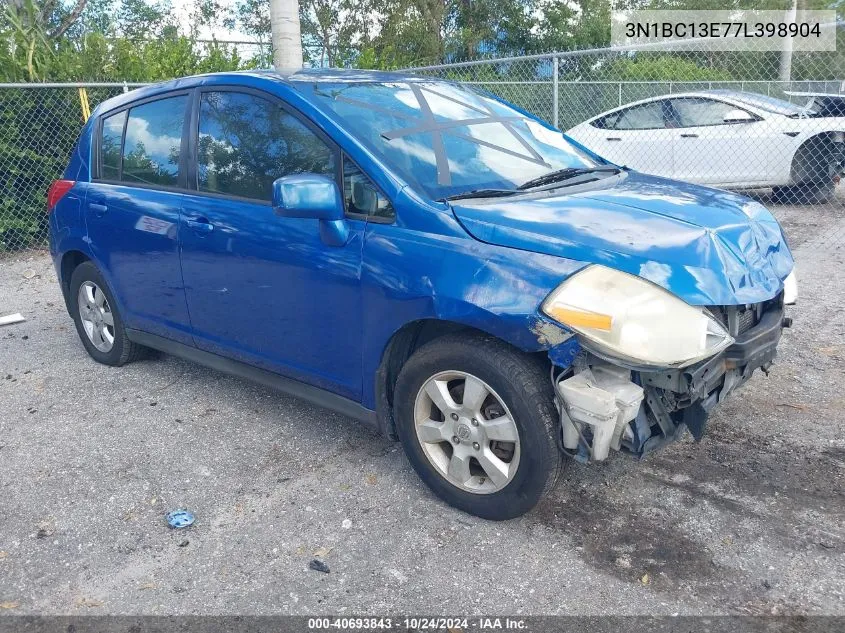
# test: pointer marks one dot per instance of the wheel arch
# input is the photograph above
(69, 262)
(805, 165)
(399, 348)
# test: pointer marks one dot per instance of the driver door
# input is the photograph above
(710, 150)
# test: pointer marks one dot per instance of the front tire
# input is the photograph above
(97, 319)
(477, 421)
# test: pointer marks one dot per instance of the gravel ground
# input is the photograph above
(748, 521)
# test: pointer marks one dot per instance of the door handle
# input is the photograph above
(98, 209)
(200, 225)
(689, 135)
(613, 138)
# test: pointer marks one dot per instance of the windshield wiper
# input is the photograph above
(564, 174)
(482, 193)
(551, 177)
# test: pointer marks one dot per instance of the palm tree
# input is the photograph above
(284, 24)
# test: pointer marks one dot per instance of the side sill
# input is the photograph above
(314, 395)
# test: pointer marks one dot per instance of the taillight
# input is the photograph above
(57, 191)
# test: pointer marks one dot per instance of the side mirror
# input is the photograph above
(738, 116)
(307, 196)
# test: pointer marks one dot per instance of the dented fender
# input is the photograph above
(491, 265)
(563, 345)
(458, 280)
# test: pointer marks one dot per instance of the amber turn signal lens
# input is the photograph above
(593, 320)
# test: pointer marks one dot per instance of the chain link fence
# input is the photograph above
(768, 124)
(39, 126)
(727, 120)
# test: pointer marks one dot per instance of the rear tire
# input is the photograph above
(508, 397)
(805, 193)
(97, 318)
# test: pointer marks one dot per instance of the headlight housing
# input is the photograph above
(790, 289)
(634, 320)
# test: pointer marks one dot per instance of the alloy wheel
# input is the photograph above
(96, 316)
(467, 432)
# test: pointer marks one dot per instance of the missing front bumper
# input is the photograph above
(597, 414)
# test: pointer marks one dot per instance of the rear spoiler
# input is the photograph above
(814, 94)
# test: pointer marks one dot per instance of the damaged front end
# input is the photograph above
(680, 298)
(606, 403)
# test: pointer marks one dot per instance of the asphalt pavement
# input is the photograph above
(748, 521)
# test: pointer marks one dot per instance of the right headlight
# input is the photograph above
(634, 320)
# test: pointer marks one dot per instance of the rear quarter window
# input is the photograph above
(112, 145)
(606, 122)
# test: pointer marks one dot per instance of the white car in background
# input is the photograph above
(723, 138)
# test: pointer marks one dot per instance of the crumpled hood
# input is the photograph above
(707, 246)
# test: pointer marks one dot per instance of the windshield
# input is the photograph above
(448, 139)
(769, 104)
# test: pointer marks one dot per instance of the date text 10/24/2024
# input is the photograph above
(452, 625)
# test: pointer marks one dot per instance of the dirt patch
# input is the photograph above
(628, 542)
(678, 520)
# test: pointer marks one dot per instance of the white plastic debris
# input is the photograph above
(9, 319)
(347, 523)
(606, 400)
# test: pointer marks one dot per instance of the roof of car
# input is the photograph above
(706, 92)
(746, 99)
(310, 75)
(340, 74)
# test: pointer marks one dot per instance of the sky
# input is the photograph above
(183, 10)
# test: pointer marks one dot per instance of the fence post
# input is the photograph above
(555, 87)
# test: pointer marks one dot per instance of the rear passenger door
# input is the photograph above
(132, 211)
(710, 150)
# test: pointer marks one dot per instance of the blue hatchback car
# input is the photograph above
(422, 256)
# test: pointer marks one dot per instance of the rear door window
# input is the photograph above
(246, 142)
(153, 141)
